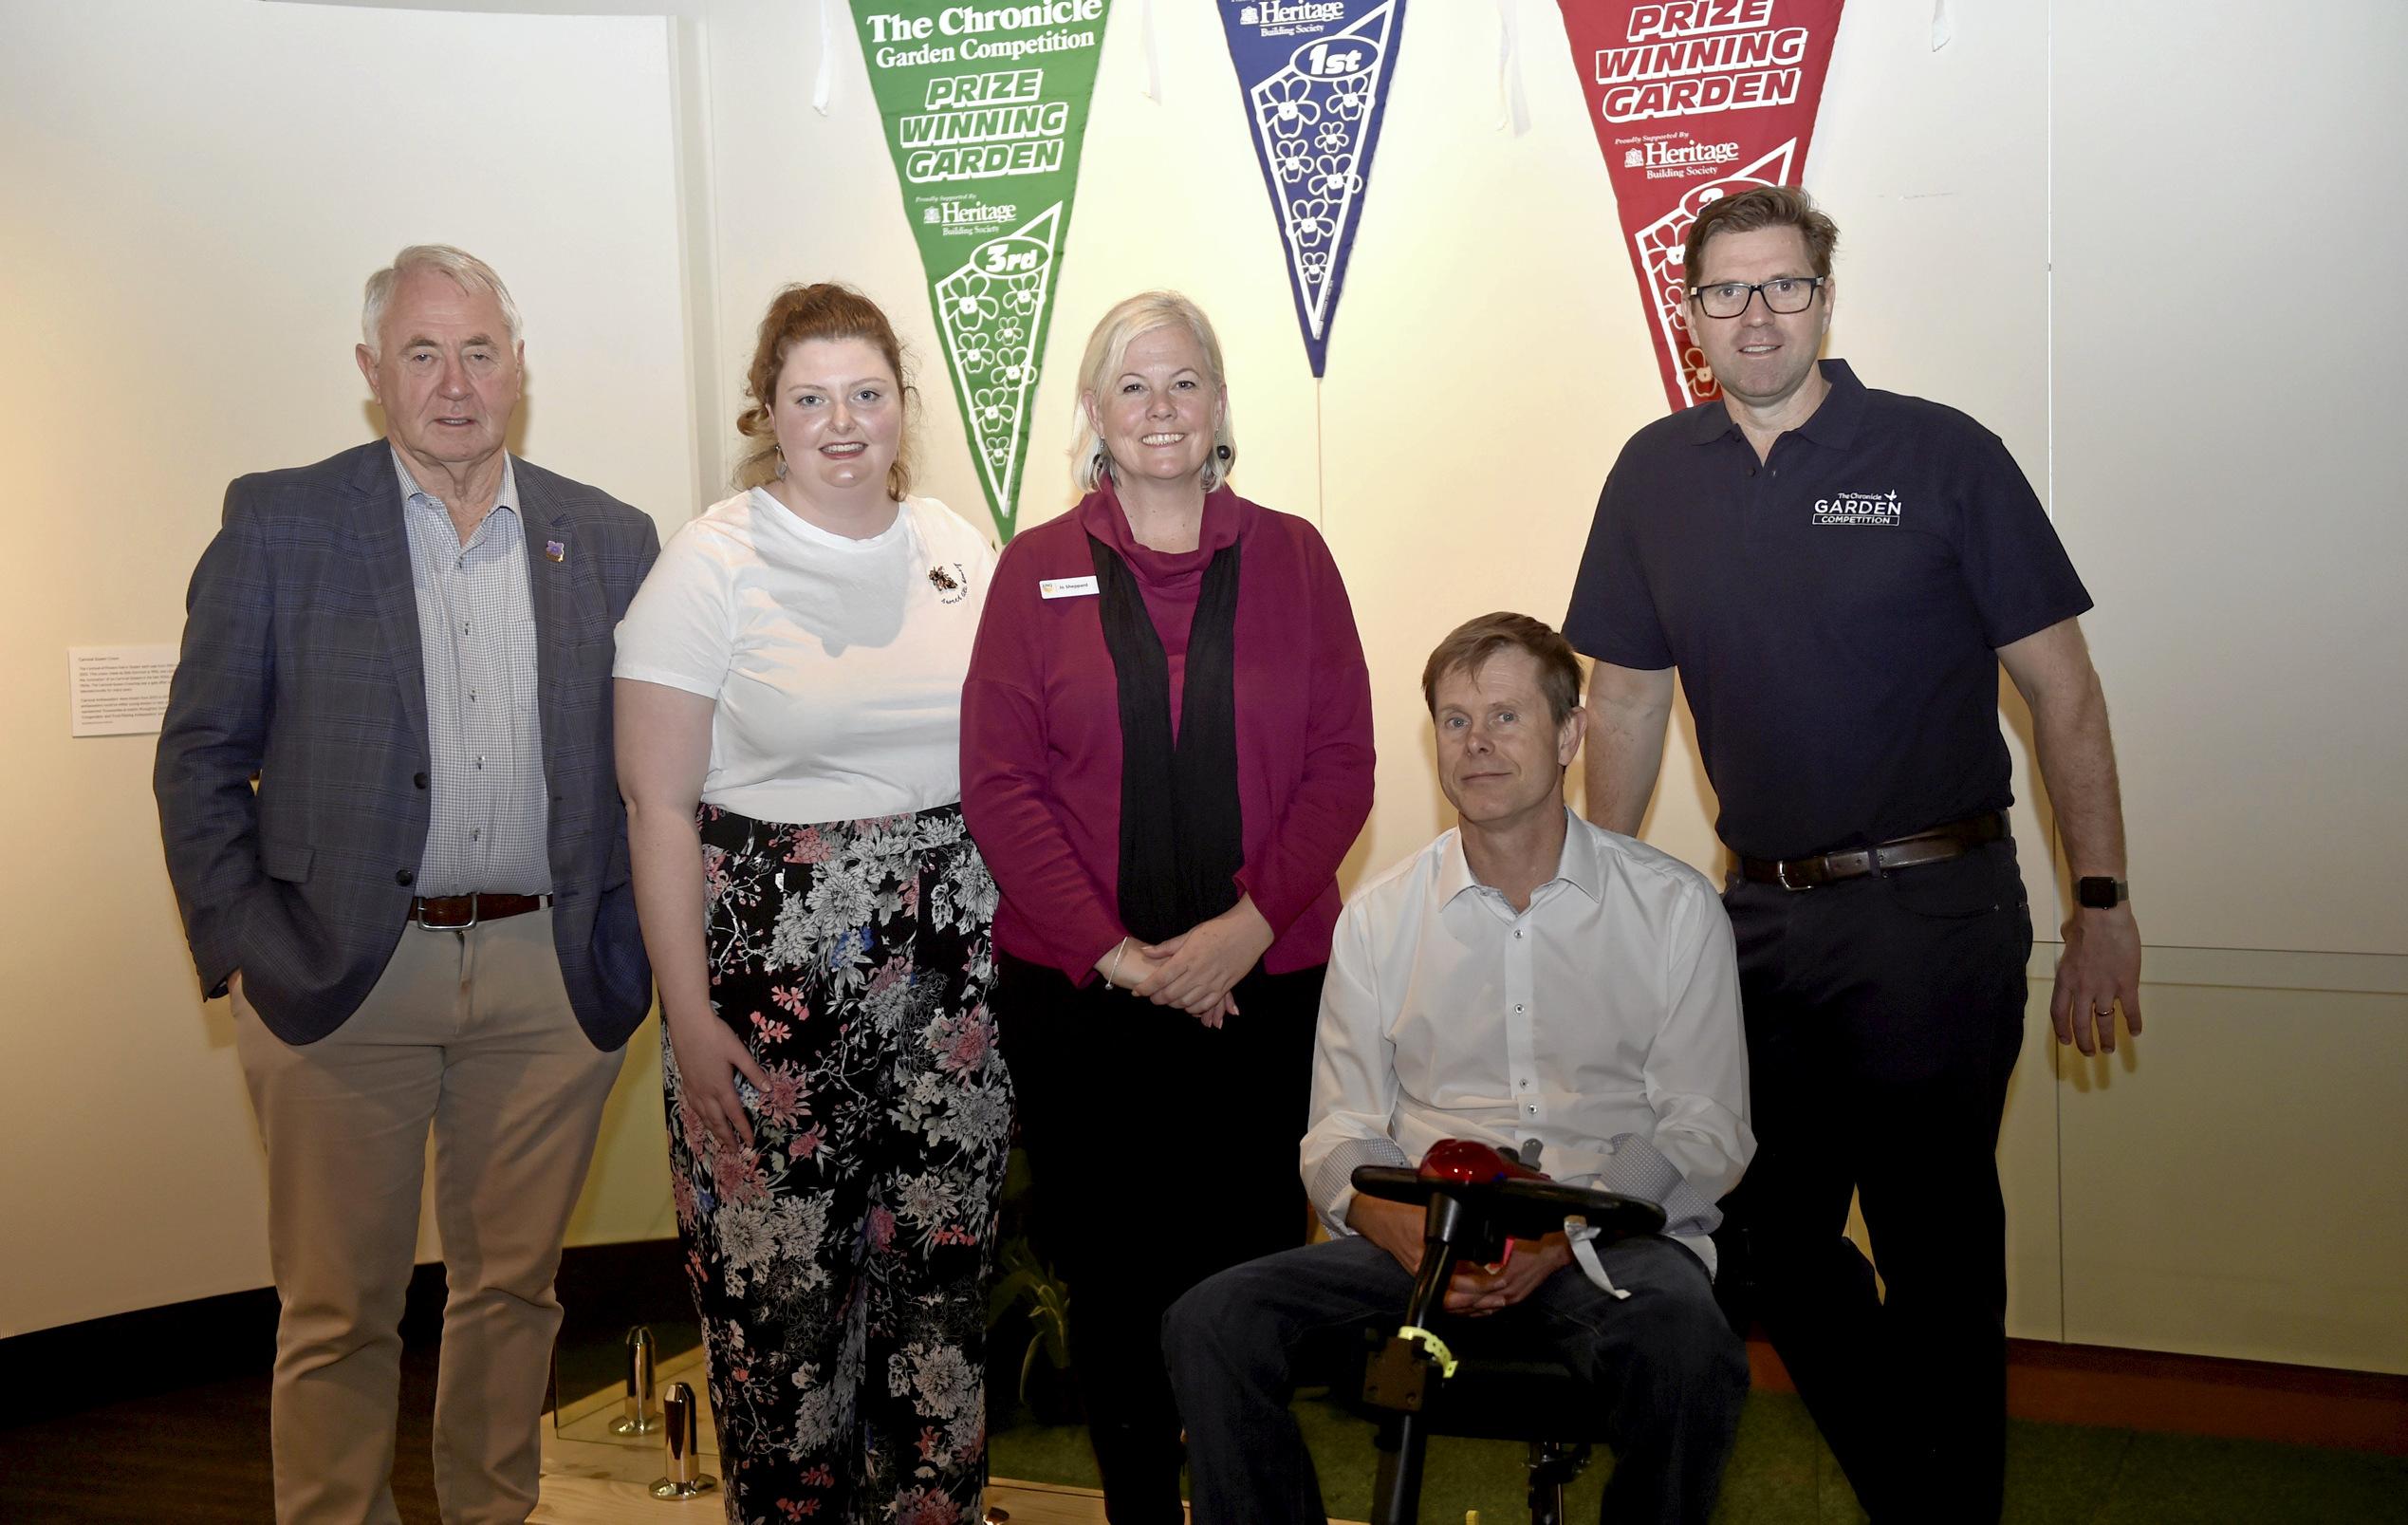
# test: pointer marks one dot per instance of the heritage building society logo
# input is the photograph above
(1288, 12)
(969, 213)
(1881, 509)
(1658, 155)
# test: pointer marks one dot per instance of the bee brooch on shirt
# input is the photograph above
(951, 583)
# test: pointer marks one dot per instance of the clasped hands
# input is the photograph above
(1473, 1290)
(1196, 971)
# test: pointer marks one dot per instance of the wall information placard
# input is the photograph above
(118, 691)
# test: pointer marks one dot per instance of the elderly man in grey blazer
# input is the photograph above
(395, 837)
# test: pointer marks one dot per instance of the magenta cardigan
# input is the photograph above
(1041, 728)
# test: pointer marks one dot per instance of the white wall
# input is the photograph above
(2227, 405)
(2232, 1185)
(2225, 400)
(196, 190)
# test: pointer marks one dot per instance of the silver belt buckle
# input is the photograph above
(473, 916)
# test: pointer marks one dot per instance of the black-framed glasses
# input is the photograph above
(1783, 294)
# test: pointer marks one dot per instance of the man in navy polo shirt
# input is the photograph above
(1836, 573)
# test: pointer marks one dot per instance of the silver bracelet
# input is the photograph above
(1112, 976)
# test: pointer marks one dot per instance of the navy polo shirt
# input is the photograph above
(1834, 611)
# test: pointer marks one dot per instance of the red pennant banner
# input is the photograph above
(1694, 100)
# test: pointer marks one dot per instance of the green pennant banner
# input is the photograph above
(985, 106)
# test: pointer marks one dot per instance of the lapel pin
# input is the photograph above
(555, 551)
(945, 582)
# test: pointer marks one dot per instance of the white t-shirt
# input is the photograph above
(836, 665)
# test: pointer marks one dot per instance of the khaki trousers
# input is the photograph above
(469, 1035)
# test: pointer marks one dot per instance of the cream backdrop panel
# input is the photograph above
(2224, 392)
(198, 188)
(2227, 389)
(1488, 357)
(2217, 1199)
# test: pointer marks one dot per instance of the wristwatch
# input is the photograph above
(2097, 892)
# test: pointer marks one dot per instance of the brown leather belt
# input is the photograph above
(457, 913)
(1939, 845)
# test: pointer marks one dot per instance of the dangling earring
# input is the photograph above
(1102, 465)
(781, 450)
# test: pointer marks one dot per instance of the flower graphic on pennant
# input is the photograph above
(1333, 177)
(1314, 264)
(1312, 222)
(1022, 298)
(994, 407)
(968, 302)
(974, 355)
(1350, 99)
(1293, 161)
(1011, 333)
(1290, 106)
(1333, 139)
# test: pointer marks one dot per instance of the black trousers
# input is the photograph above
(1161, 1151)
(1884, 1019)
(1666, 1374)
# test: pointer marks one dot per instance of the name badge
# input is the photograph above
(1066, 587)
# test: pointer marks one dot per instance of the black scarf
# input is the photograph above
(1181, 834)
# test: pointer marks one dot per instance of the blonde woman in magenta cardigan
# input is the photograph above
(1166, 751)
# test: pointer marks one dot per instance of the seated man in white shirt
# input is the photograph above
(1526, 977)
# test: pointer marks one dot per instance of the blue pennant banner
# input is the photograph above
(1315, 77)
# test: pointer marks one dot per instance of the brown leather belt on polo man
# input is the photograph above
(457, 913)
(1939, 845)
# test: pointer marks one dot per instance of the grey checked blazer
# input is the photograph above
(301, 663)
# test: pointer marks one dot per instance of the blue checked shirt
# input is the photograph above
(476, 630)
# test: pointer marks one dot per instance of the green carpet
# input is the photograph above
(1782, 1474)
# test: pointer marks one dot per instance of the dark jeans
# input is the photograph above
(1160, 1150)
(1883, 1019)
(1668, 1373)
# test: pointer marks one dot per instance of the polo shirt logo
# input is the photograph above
(1859, 508)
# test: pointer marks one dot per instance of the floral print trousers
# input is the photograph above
(838, 1264)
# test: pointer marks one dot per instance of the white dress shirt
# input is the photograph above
(1604, 1022)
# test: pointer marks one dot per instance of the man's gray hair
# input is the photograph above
(460, 268)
